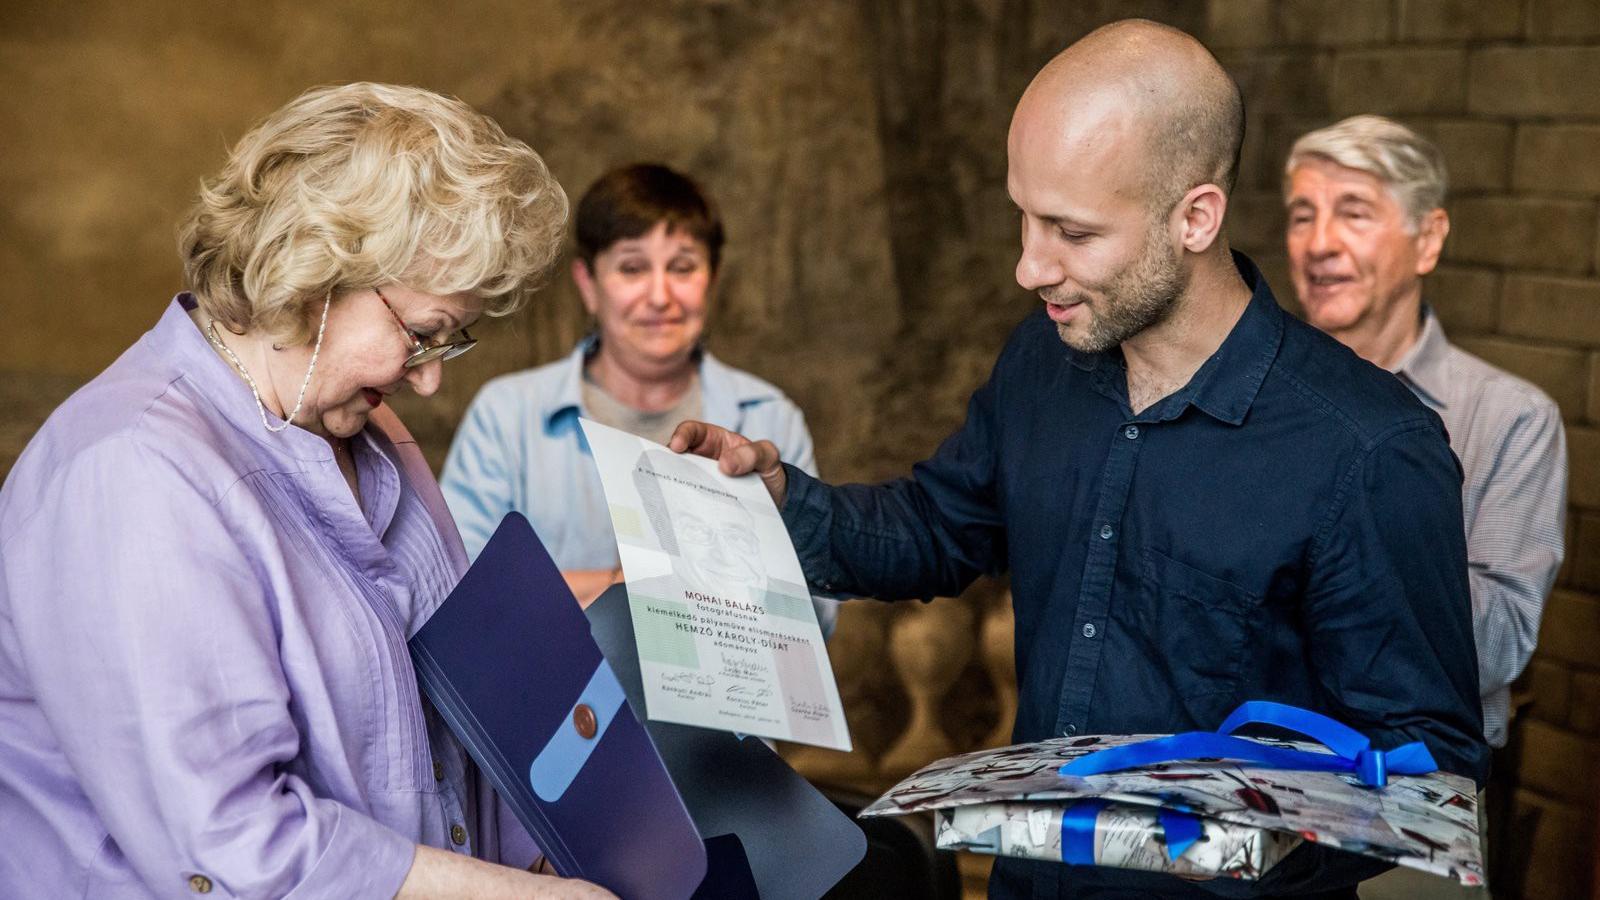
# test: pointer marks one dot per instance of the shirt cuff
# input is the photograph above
(362, 859)
(808, 515)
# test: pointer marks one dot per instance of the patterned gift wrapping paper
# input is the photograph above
(1425, 822)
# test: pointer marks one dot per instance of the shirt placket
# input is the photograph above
(377, 578)
(1099, 577)
(449, 769)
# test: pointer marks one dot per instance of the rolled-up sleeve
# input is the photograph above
(151, 641)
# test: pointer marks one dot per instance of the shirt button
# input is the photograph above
(438, 771)
(1088, 629)
(1105, 532)
(1131, 432)
(458, 835)
(199, 884)
(1070, 730)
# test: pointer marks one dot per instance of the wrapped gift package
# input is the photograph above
(1203, 803)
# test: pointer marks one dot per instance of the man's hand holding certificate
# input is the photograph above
(727, 635)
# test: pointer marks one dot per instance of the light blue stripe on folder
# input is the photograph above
(554, 769)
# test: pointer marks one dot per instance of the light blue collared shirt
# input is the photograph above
(520, 449)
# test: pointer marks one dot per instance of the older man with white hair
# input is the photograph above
(1365, 200)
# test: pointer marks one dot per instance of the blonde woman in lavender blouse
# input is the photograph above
(212, 555)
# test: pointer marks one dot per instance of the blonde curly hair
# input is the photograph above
(352, 186)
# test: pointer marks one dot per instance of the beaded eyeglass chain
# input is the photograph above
(261, 407)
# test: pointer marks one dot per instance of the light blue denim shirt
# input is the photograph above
(520, 448)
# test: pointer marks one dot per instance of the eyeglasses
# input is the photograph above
(426, 351)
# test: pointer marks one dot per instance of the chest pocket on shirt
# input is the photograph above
(1199, 623)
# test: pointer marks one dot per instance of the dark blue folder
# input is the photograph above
(508, 661)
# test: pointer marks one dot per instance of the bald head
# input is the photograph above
(1154, 92)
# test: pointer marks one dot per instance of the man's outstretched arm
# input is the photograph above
(918, 537)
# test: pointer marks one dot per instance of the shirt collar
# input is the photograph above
(723, 392)
(1424, 365)
(1225, 385)
(1240, 365)
(566, 394)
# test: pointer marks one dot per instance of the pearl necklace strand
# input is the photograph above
(211, 333)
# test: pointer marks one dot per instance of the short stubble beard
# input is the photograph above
(1138, 297)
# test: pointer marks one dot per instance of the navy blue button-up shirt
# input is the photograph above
(1286, 527)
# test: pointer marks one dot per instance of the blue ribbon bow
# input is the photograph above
(1352, 752)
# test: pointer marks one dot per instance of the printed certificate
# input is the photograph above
(727, 635)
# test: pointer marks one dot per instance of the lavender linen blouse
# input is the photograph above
(204, 682)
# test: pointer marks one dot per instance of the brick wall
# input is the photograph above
(1508, 90)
